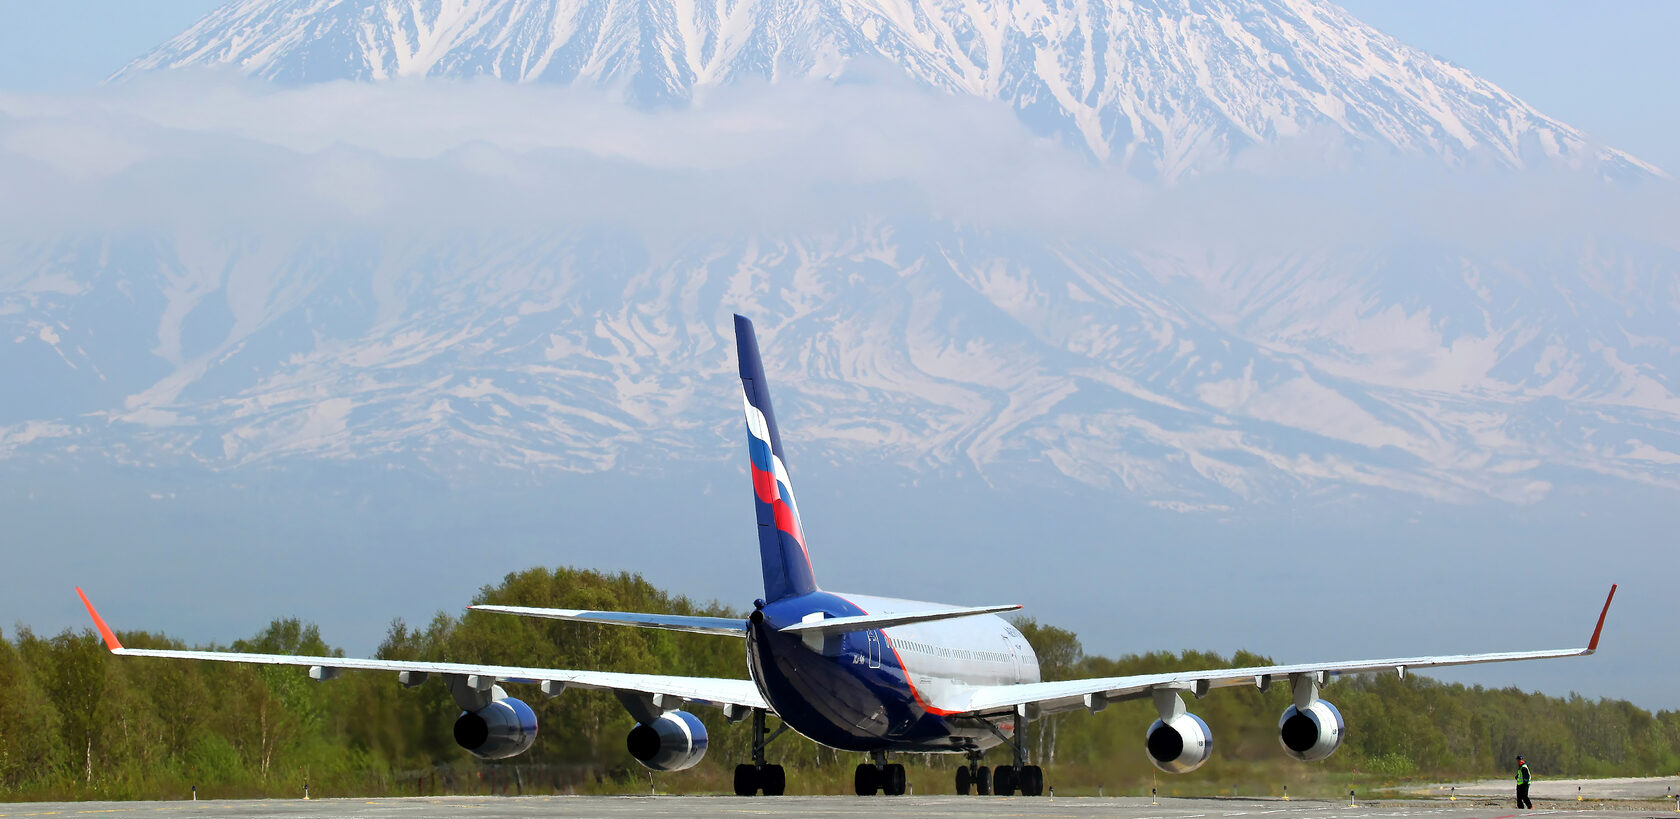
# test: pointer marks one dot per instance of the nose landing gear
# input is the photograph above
(974, 776)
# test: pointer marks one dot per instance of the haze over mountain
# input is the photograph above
(1212, 260)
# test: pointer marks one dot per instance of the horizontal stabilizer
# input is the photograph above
(668, 622)
(864, 622)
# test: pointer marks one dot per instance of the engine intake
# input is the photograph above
(504, 728)
(1312, 734)
(674, 742)
(1181, 745)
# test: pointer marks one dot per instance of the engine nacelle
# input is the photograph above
(504, 728)
(1312, 734)
(1181, 745)
(674, 742)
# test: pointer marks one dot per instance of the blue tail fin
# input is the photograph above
(781, 538)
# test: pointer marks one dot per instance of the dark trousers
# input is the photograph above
(1522, 797)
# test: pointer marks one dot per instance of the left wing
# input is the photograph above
(702, 690)
(1055, 697)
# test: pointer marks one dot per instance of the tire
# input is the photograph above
(1003, 781)
(964, 781)
(866, 781)
(773, 779)
(892, 783)
(983, 781)
(746, 780)
(1032, 781)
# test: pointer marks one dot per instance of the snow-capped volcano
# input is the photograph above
(1162, 88)
(236, 274)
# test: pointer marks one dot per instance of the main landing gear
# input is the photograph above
(1027, 779)
(1007, 780)
(876, 775)
(771, 779)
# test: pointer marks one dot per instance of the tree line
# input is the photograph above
(77, 723)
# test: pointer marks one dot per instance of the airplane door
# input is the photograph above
(874, 649)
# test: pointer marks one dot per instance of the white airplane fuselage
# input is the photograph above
(887, 689)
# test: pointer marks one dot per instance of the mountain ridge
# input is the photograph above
(1162, 88)
(493, 301)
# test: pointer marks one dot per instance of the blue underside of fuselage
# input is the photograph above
(841, 698)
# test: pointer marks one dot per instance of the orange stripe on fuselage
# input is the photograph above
(914, 694)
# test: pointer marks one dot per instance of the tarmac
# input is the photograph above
(829, 807)
(1644, 788)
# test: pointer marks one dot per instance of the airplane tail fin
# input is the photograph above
(781, 538)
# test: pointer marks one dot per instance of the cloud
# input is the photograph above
(476, 154)
(208, 149)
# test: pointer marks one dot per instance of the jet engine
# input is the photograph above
(1311, 734)
(674, 742)
(1180, 745)
(504, 728)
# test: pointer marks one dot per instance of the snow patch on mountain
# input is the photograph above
(1161, 88)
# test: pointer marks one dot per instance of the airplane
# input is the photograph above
(856, 673)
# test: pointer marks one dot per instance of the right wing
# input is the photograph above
(668, 622)
(713, 691)
(1096, 693)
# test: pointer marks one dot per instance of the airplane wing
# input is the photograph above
(712, 691)
(668, 622)
(1096, 693)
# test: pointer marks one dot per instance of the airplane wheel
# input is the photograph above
(774, 780)
(1032, 781)
(983, 781)
(963, 781)
(893, 780)
(1003, 781)
(867, 780)
(746, 780)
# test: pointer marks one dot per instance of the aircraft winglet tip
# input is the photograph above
(105, 632)
(1599, 629)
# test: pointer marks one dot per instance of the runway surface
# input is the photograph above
(823, 807)
(1662, 787)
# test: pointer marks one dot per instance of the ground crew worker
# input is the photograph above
(1523, 778)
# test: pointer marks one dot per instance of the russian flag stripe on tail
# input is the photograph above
(781, 538)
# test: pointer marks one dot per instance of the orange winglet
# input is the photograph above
(1593, 646)
(112, 643)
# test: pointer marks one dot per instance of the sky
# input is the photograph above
(1608, 68)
